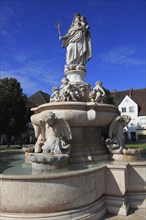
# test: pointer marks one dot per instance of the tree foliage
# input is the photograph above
(109, 98)
(13, 114)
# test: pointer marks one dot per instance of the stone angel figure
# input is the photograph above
(57, 134)
(39, 122)
(52, 133)
(116, 140)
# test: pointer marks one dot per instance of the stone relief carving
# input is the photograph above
(84, 92)
(52, 133)
(116, 140)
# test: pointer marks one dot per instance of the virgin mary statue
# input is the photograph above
(77, 42)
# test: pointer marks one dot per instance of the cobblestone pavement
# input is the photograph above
(132, 215)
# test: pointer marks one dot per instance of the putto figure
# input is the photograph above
(55, 97)
(77, 42)
(98, 93)
(67, 91)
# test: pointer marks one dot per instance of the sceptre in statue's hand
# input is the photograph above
(59, 32)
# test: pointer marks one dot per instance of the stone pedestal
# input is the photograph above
(87, 145)
(75, 75)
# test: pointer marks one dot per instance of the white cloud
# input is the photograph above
(33, 75)
(26, 84)
(122, 55)
(31, 68)
(6, 14)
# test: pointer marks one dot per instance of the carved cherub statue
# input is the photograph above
(55, 97)
(52, 133)
(67, 91)
(85, 25)
(116, 140)
(98, 93)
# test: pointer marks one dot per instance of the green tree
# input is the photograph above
(109, 98)
(13, 114)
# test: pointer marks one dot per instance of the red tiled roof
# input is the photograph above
(137, 95)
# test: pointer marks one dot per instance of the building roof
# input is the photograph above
(30, 104)
(38, 98)
(137, 95)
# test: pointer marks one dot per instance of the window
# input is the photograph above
(143, 121)
(123, 109)
(131, 109)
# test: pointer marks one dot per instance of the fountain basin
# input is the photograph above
(86, 119)
(88, 191)
(84, 114)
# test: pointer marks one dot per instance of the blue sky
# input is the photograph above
(32, 53)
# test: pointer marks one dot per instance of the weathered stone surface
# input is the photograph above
(85, 121)
(42, 161)
(85, 193)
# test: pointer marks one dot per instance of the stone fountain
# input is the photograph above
(68, 132)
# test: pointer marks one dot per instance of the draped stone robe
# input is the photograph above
(78, 46)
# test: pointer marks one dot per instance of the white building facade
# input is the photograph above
(136, 129)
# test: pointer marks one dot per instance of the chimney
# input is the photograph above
(130, 92)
